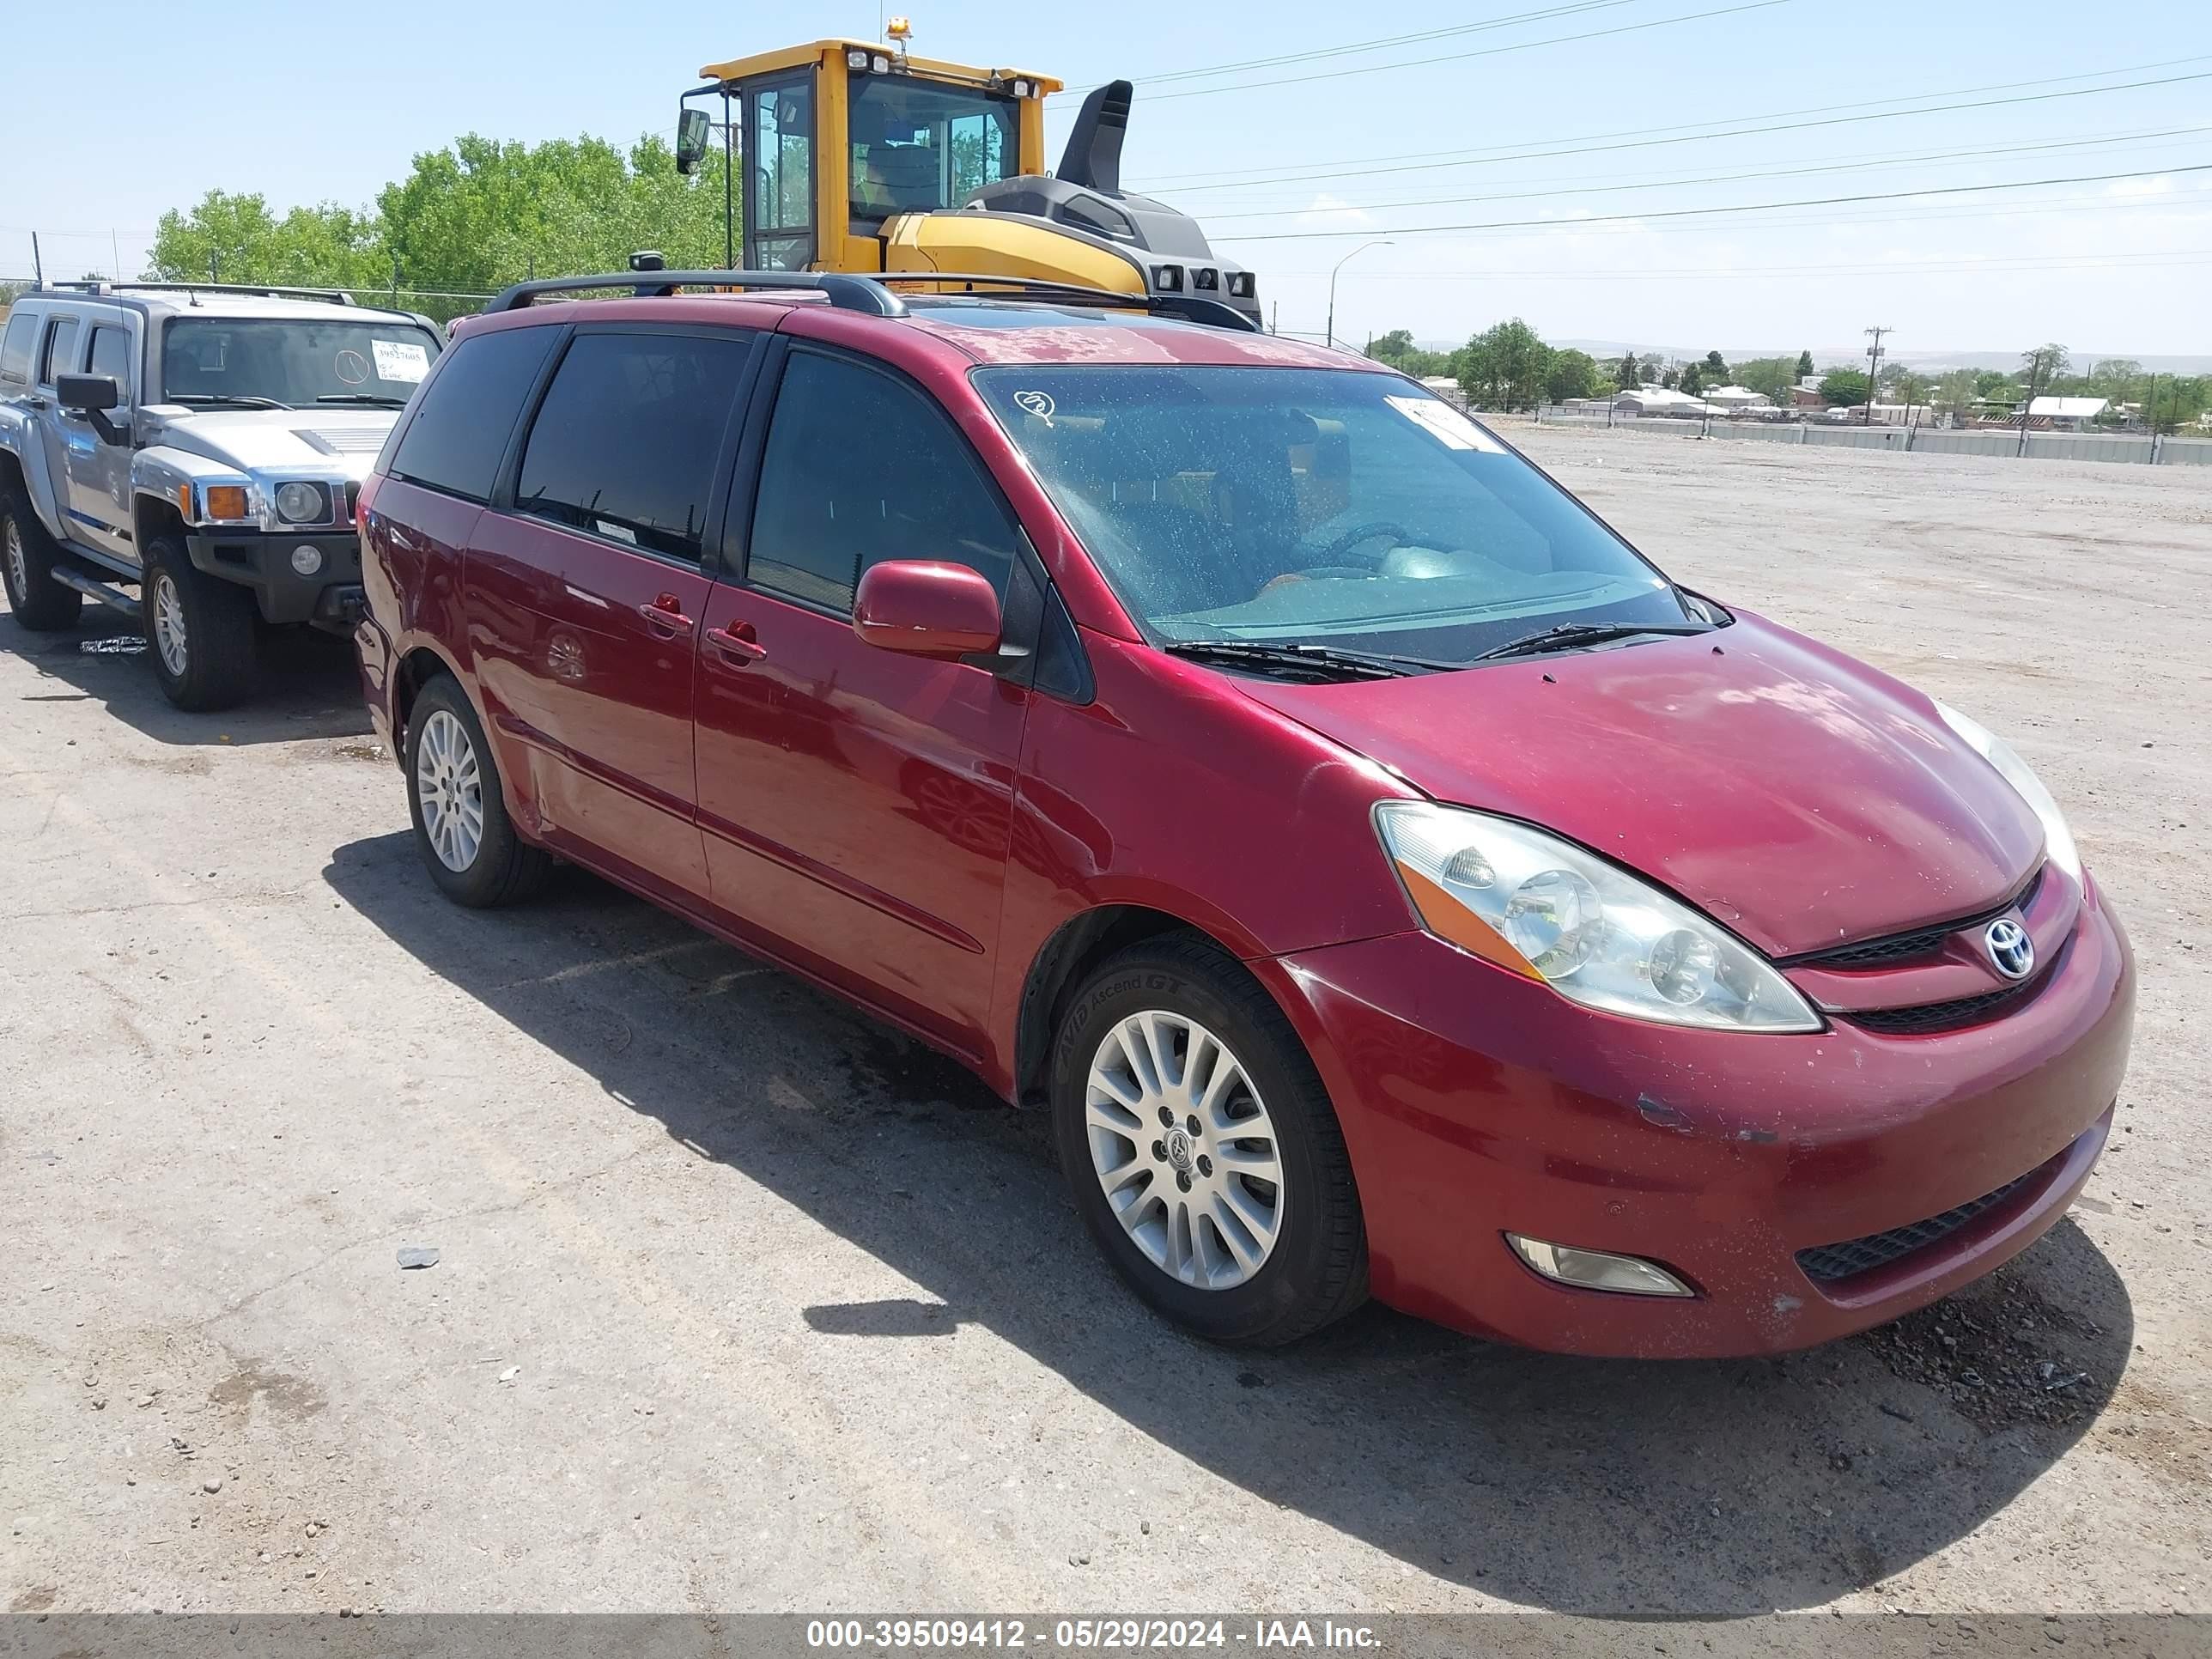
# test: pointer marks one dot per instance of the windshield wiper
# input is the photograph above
(379, 398)
(238, 399)
(1324, 660)
(1572, 634)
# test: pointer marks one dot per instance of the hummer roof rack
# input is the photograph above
(873, 295)
(99, 285)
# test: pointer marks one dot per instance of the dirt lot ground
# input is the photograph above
(745, 1302)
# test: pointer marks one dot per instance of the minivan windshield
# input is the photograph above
(1339, 507)
(281, 362)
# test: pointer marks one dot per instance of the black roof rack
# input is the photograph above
(873, 295)
(107, 285)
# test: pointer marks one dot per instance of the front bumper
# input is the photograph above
(1475, 1102)
(330, 597)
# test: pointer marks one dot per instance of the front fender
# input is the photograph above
(174, 474)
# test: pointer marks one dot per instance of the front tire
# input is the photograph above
(199, 631)
(1202, 1149)
(467, 841)
(40, 603)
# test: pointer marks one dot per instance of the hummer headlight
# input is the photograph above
(302, 503)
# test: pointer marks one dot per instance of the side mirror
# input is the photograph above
(691, 131)
(927, 609)
(87, 393)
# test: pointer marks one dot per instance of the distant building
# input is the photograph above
(1658, 400)
(1738, 399)
(2065, 414)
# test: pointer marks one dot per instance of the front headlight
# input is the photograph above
(2058, 840)
(1545, 907)
(302, 503)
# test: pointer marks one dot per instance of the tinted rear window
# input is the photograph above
(627, 442)
(467, 414)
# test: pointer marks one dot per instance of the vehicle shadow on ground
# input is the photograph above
(310, 687)
(1602, 1487)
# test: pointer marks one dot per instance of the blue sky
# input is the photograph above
(310, 104)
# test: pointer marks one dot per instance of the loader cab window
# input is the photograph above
(779, 194)
(917, 145)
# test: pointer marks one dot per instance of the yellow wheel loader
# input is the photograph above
(859, 157)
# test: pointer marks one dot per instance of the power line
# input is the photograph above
(1382, 44)
(1740, 207)
(1653, 137)
(1463, 57)
(1706, 178)
(1302, 201)
(1955, 265)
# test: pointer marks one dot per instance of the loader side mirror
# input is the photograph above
(691, 132)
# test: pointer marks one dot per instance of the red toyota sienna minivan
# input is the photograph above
(1388, 880)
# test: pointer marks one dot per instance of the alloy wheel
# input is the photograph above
(19, 569)
(169, 637)
(1183, 1147)
(449, 789)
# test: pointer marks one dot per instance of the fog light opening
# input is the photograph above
(1597, 1270)
(307, 560)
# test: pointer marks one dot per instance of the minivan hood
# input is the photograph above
(1797, 795)
(316, 443)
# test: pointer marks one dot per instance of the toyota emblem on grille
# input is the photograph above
(2011, 951)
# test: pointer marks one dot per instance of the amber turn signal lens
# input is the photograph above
(225, 501)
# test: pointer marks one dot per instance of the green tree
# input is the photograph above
(1692, 383)
(1504, 367)
(1805, 369)
(1956, 394)
(1845, 387)
(236, 239)
(1629, 375)
(1716, 368)
(1771, 377)
(2044, 365)
(1572, 373)
(1397, 348)
(1670, 379)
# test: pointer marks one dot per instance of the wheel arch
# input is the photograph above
(153, 516)
(416, 667)
(1066, 958)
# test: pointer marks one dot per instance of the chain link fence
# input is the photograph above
(2138, 448)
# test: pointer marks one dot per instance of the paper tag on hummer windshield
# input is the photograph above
(400, 359)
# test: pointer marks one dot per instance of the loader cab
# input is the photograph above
(834, 140)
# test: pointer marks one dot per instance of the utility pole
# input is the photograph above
(1275, 318)
(2034, 374)
(2150, 415)
(38, 265)
(1874, 369)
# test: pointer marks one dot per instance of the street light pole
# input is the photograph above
(1340, 265)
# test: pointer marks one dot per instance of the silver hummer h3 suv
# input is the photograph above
(203, 444)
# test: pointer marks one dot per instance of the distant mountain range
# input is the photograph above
(1829, 356)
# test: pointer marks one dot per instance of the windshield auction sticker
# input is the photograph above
(400, 359)
(1446, 423)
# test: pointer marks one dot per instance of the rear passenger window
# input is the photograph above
(60, 355)
(461, 431)
(111, 355)
(860, 468)
(628, 439)
(16, 349)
